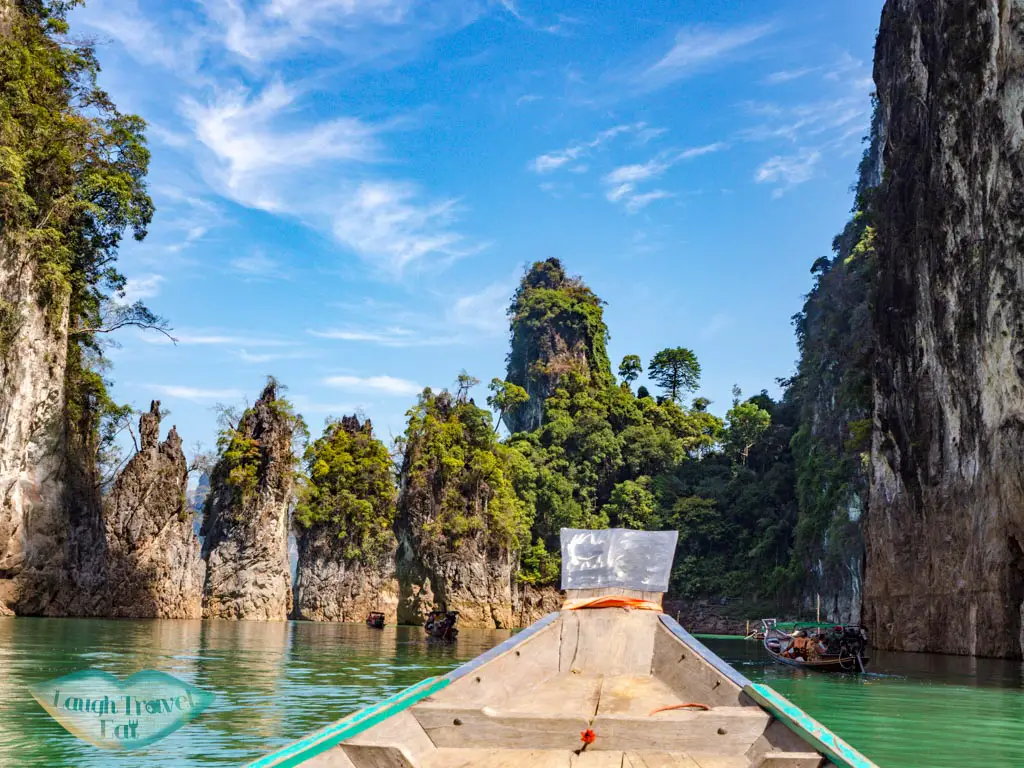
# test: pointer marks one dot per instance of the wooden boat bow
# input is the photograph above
(603, 682)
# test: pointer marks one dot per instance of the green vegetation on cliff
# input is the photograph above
(72, 171)
(349, 489)
(458, 481)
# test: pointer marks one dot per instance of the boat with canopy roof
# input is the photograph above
(816, 645)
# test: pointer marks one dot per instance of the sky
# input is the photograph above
(348, 191)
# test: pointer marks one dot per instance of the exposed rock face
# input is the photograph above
(245, 524)
(33, 355)
(945, 561)
(343, 523)
(153, 567)
(332, 588)
(557, 327)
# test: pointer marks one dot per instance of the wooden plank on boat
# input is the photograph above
(609, 641)
(401, 730)
(318, 742)
(813, 732)
(692, 677)
(456, 727)
(706, 653)
(517, 639)
(499, 758)
(596, 760)
(519, 666)
(378, 756)
(637, 696)
(790, 760)
(722, 731)
(561, 695)
(657, 760)
(721, 761)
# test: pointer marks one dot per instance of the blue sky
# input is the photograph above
(348, 190)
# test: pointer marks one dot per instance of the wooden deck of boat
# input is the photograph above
(604, 670)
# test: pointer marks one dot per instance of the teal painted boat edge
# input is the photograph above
(805, 726)
(507, 645)
(320, 741)
(703, 651)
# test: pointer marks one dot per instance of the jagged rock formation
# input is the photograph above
(153, 568)
(557, 327)
(343, 522)
(459, 521)
(245, 523)
(945, 530)
(833, 388)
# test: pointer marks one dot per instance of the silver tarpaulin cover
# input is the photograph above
(616, 557)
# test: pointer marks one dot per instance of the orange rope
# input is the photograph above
(611, 601)
(702, 707)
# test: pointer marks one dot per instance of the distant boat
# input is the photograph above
(375, 619)
(816, 645)
(607, 681)
(441, 624)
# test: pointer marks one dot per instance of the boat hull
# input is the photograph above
(631, 685)
(847, 664)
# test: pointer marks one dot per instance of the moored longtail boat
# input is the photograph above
(817, 646)
(609, 681)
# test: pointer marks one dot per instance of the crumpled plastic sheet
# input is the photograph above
(616, 557)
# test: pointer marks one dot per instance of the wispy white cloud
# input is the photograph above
(788, 171)
(388, 226)
(254, 155)
(197, 394)
(269, 357)
(214, 339)
(397, 337)
(383, 385)
(638, 202)
(552, 161)
(360, 29)
(788, 75)
(622, 182)
(526, 98)
(145, 41)
(697, 48)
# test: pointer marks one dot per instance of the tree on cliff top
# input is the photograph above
(458, 481)
(72, 182)
(350, 489)
(257, 452)
(676, 371)
(557, 327)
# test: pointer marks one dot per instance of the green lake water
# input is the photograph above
(275, 682)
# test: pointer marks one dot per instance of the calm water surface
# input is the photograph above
(276, 682)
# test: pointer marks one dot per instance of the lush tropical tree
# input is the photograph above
(745, 423)
(505, 397)
(676, 371)
(630, 368)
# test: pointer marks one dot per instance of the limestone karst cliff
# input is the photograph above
(459, 523)
(833, 389)
(343, 522)
(945, 530)
(245, 520)
(152, 562)
(557, 326)
(59, 238)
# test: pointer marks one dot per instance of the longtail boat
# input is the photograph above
(609, 681)
(818, 646)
